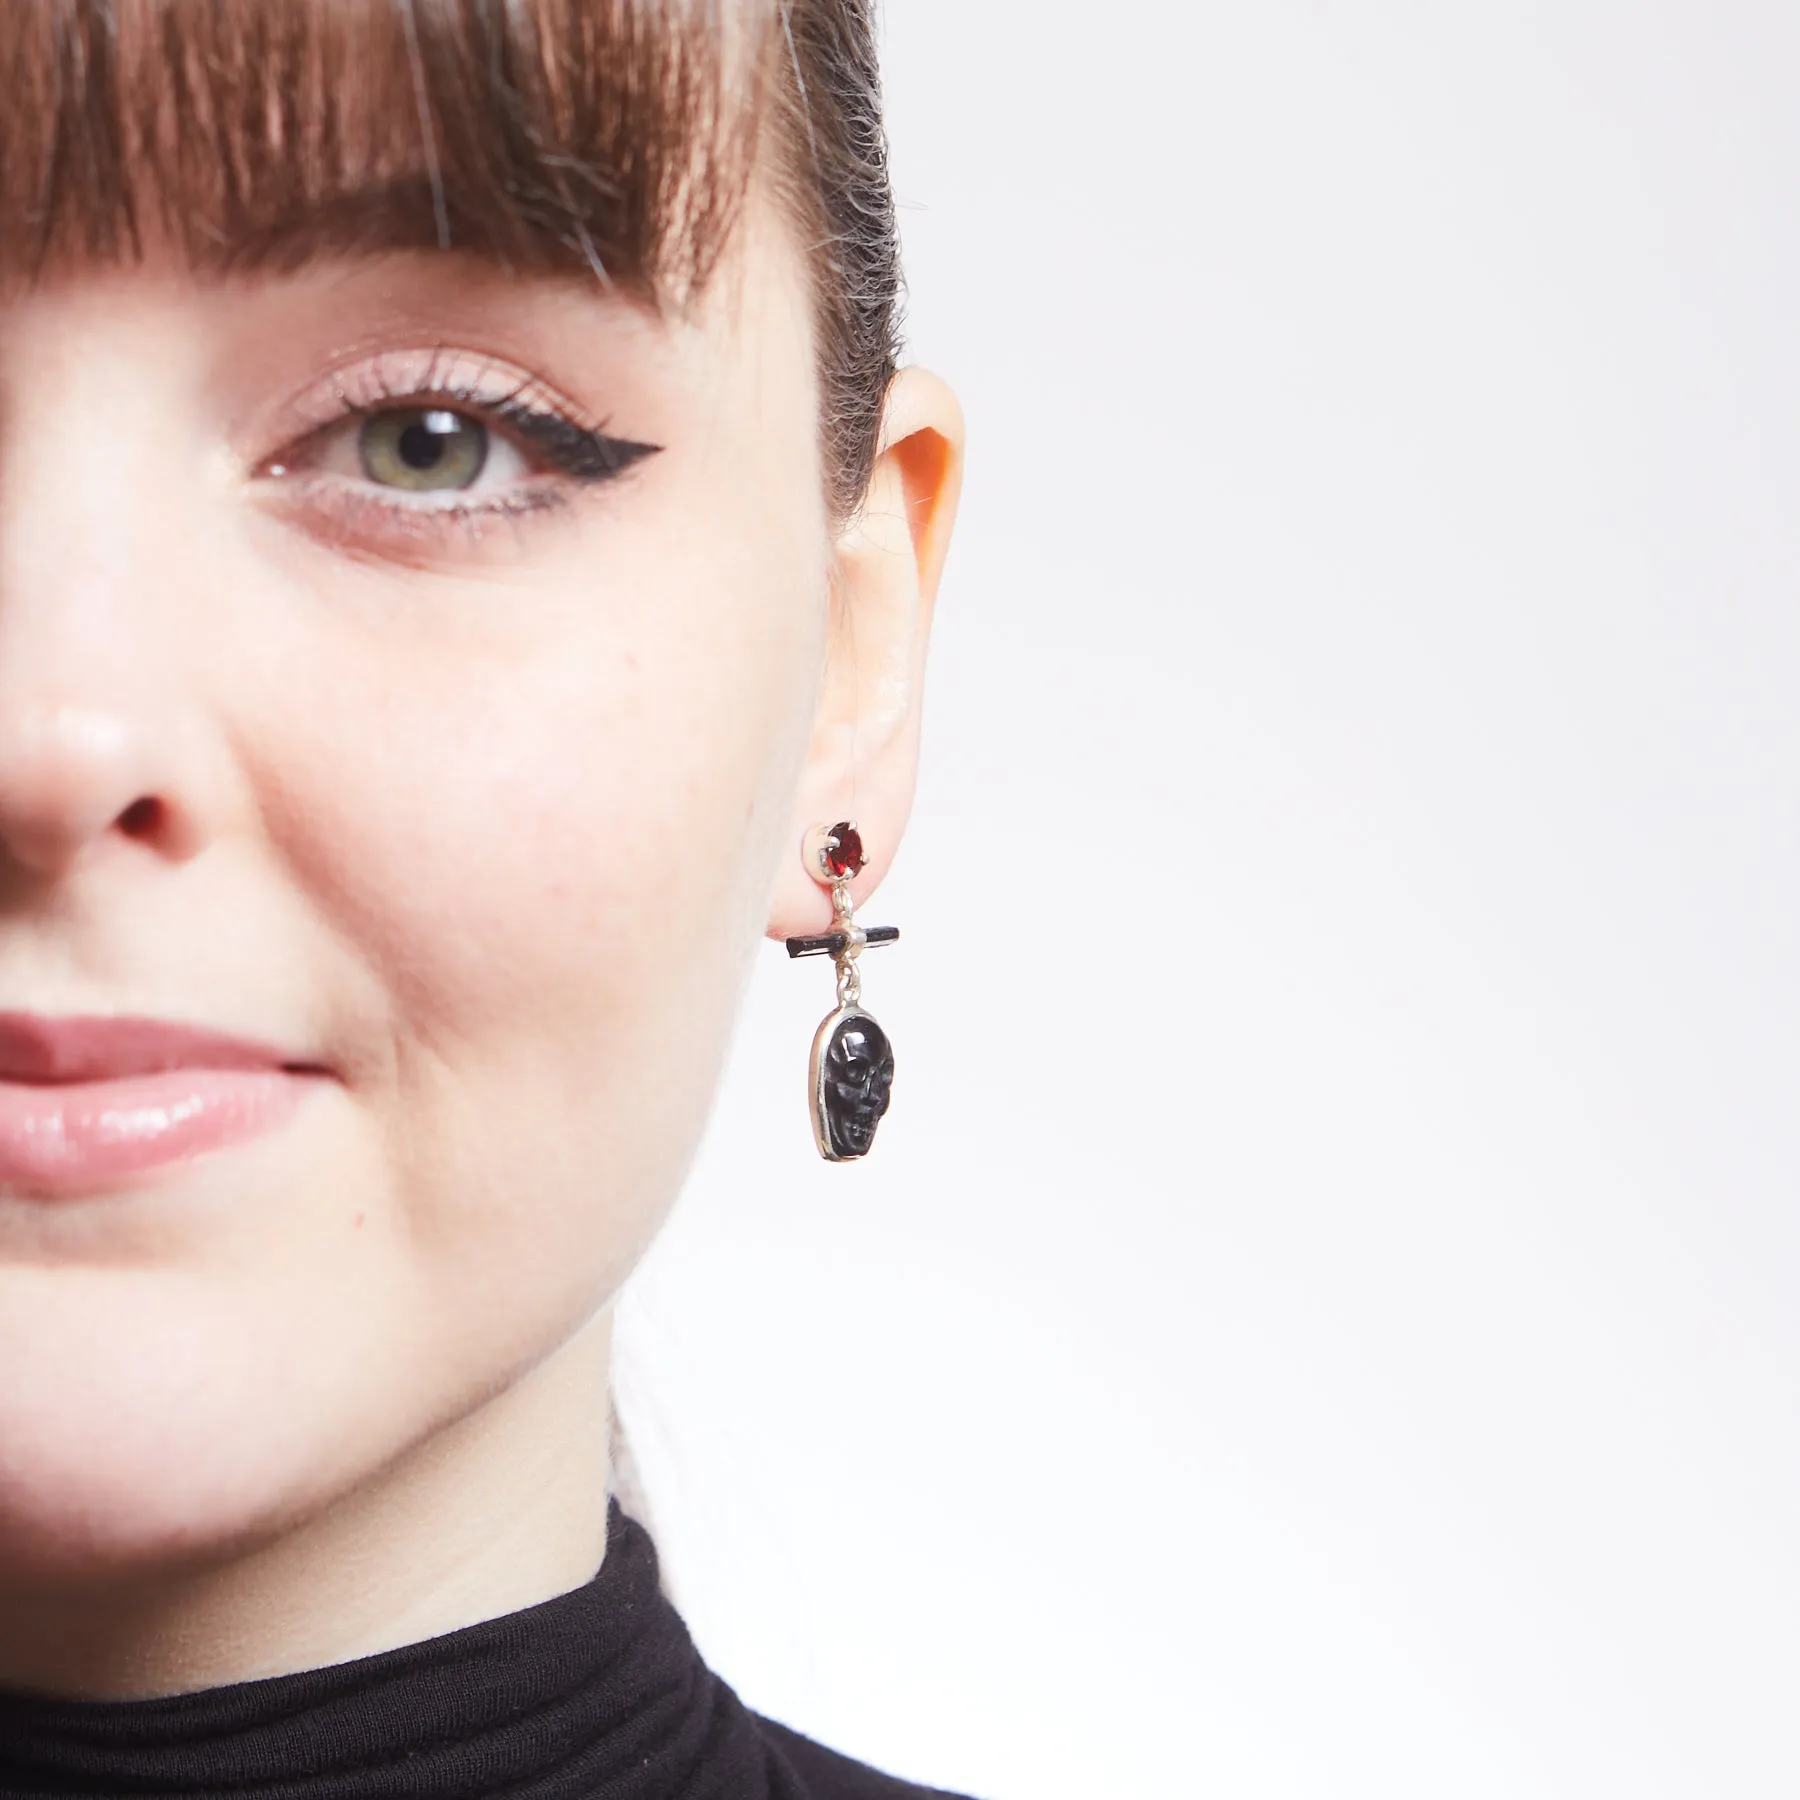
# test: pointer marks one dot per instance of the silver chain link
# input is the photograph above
(849, 982)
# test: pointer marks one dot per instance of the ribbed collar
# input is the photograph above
(598, 1694)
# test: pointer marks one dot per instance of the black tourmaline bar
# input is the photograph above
(833, 941)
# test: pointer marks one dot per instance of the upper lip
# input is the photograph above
(35, 1047)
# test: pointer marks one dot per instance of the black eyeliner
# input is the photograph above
(574, 449)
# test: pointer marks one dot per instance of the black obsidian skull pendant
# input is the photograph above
(852, 1081)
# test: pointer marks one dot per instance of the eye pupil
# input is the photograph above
(423, 443)
(422, 448)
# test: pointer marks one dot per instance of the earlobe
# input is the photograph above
(889, 558)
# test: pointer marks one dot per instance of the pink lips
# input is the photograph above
(87, 1103)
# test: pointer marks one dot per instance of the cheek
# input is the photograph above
(543, 831)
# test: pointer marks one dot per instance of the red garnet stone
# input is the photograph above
(846, 857)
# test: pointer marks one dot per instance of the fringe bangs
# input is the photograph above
(615, 135)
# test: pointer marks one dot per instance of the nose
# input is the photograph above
(105, 743)
(77, 771)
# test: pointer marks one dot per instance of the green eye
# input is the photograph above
(425, 449)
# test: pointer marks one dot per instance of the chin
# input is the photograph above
(143, 1428)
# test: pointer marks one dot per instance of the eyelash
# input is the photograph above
(587, 455)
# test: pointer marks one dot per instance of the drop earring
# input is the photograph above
(850, 1076)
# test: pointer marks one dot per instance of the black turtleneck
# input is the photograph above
(598, 1694)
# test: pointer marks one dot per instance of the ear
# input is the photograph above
(864, 752)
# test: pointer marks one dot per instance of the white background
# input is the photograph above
(1320, 1317)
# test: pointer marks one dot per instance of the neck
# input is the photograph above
(502, 1509)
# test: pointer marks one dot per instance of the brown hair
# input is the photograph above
(616, 135)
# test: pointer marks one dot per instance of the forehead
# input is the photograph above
(255, 135)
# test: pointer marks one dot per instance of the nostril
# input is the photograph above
(141, 818)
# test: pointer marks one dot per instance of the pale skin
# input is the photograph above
(485, 821)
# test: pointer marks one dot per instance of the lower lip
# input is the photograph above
(61, 1138)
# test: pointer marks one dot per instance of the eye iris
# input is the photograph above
(422, 448)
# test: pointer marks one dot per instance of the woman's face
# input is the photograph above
(369, 693)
